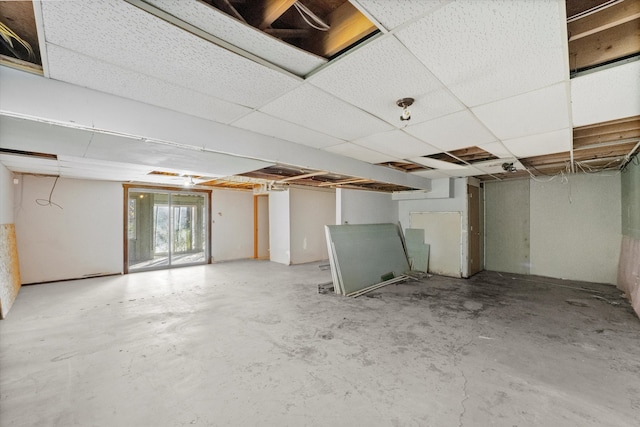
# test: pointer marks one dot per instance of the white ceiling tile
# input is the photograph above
(357, 152)
(436, 164)
(121, 34)
(497, 149)
(457, 130)
(82, 70)
(542, 110)
(268, 125)
(375, 76)
(466, 171)
(537, 145)
(396, 143)
(492, 49)
(244, 36)
(312, 108)
(606, 95)
(495, 166)
(392, 13)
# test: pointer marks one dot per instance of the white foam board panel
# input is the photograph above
(537, 145)
(457, 130)
(396, 143)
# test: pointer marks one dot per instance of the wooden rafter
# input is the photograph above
(303, 176)
(272, 10)
(347, 25)
(614, 15)
(607, 45)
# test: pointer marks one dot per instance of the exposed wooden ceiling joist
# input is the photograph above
(614, 15)
(272, 10)
(347, 26)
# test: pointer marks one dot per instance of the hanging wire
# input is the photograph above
(48, 202)
(306, 13)
(8, 35)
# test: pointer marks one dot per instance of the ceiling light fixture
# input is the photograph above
(508, 167)
(405, 103)
(190, 182)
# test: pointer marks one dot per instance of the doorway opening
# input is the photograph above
(165, 228)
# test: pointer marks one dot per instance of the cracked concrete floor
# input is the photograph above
(253, 343)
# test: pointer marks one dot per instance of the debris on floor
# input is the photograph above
(361, 254)
(324, 288)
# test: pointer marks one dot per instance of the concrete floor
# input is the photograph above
(253, 343)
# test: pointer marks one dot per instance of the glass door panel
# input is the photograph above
(166, 228)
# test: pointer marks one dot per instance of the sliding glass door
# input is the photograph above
(166, 228)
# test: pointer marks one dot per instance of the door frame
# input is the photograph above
(153, 188)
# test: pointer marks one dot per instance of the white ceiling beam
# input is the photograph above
(37, 98)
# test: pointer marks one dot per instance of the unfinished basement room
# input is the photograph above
(319, 213)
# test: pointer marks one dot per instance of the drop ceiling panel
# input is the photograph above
(196, 162)
(29, 135)
(537, 145)
(606, 94)
(540, 111)
(267, 125)
(82, 70)
(315, 109)
(497, 149)
(24, 164)
(376, 75)
(360, 153)
(436, 164)
(457, 130)
(242, 35)
(109, 29)
(498, 49)
(396, 143)
(392, 13)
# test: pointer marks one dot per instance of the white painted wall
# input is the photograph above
(310, 209)
(279, 230)
(83, 238)
(457, 202)
(507, 226)
(576, 227)
(365, 207)
(6, 196)
(231, 224)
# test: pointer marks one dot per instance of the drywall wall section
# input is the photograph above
(6, 195)
(575, 227)
(279, 232)
(454, 199)
(507, 228)
(630, 182)
(365, 207)
(82, 237)
(310, 209)
(629, 264)
(231, 225)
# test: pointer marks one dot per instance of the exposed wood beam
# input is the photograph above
(306, 175)
(272, 10)
(608, 45)
(287, 32)
(348, 25)
(343, 182)
(612, 16)
(227, 7)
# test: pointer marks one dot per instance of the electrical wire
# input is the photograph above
(8, 34)
(305, 12)
(48, 202)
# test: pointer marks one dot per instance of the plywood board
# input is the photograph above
(443, 232)
(9, 268)
(365, 252)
